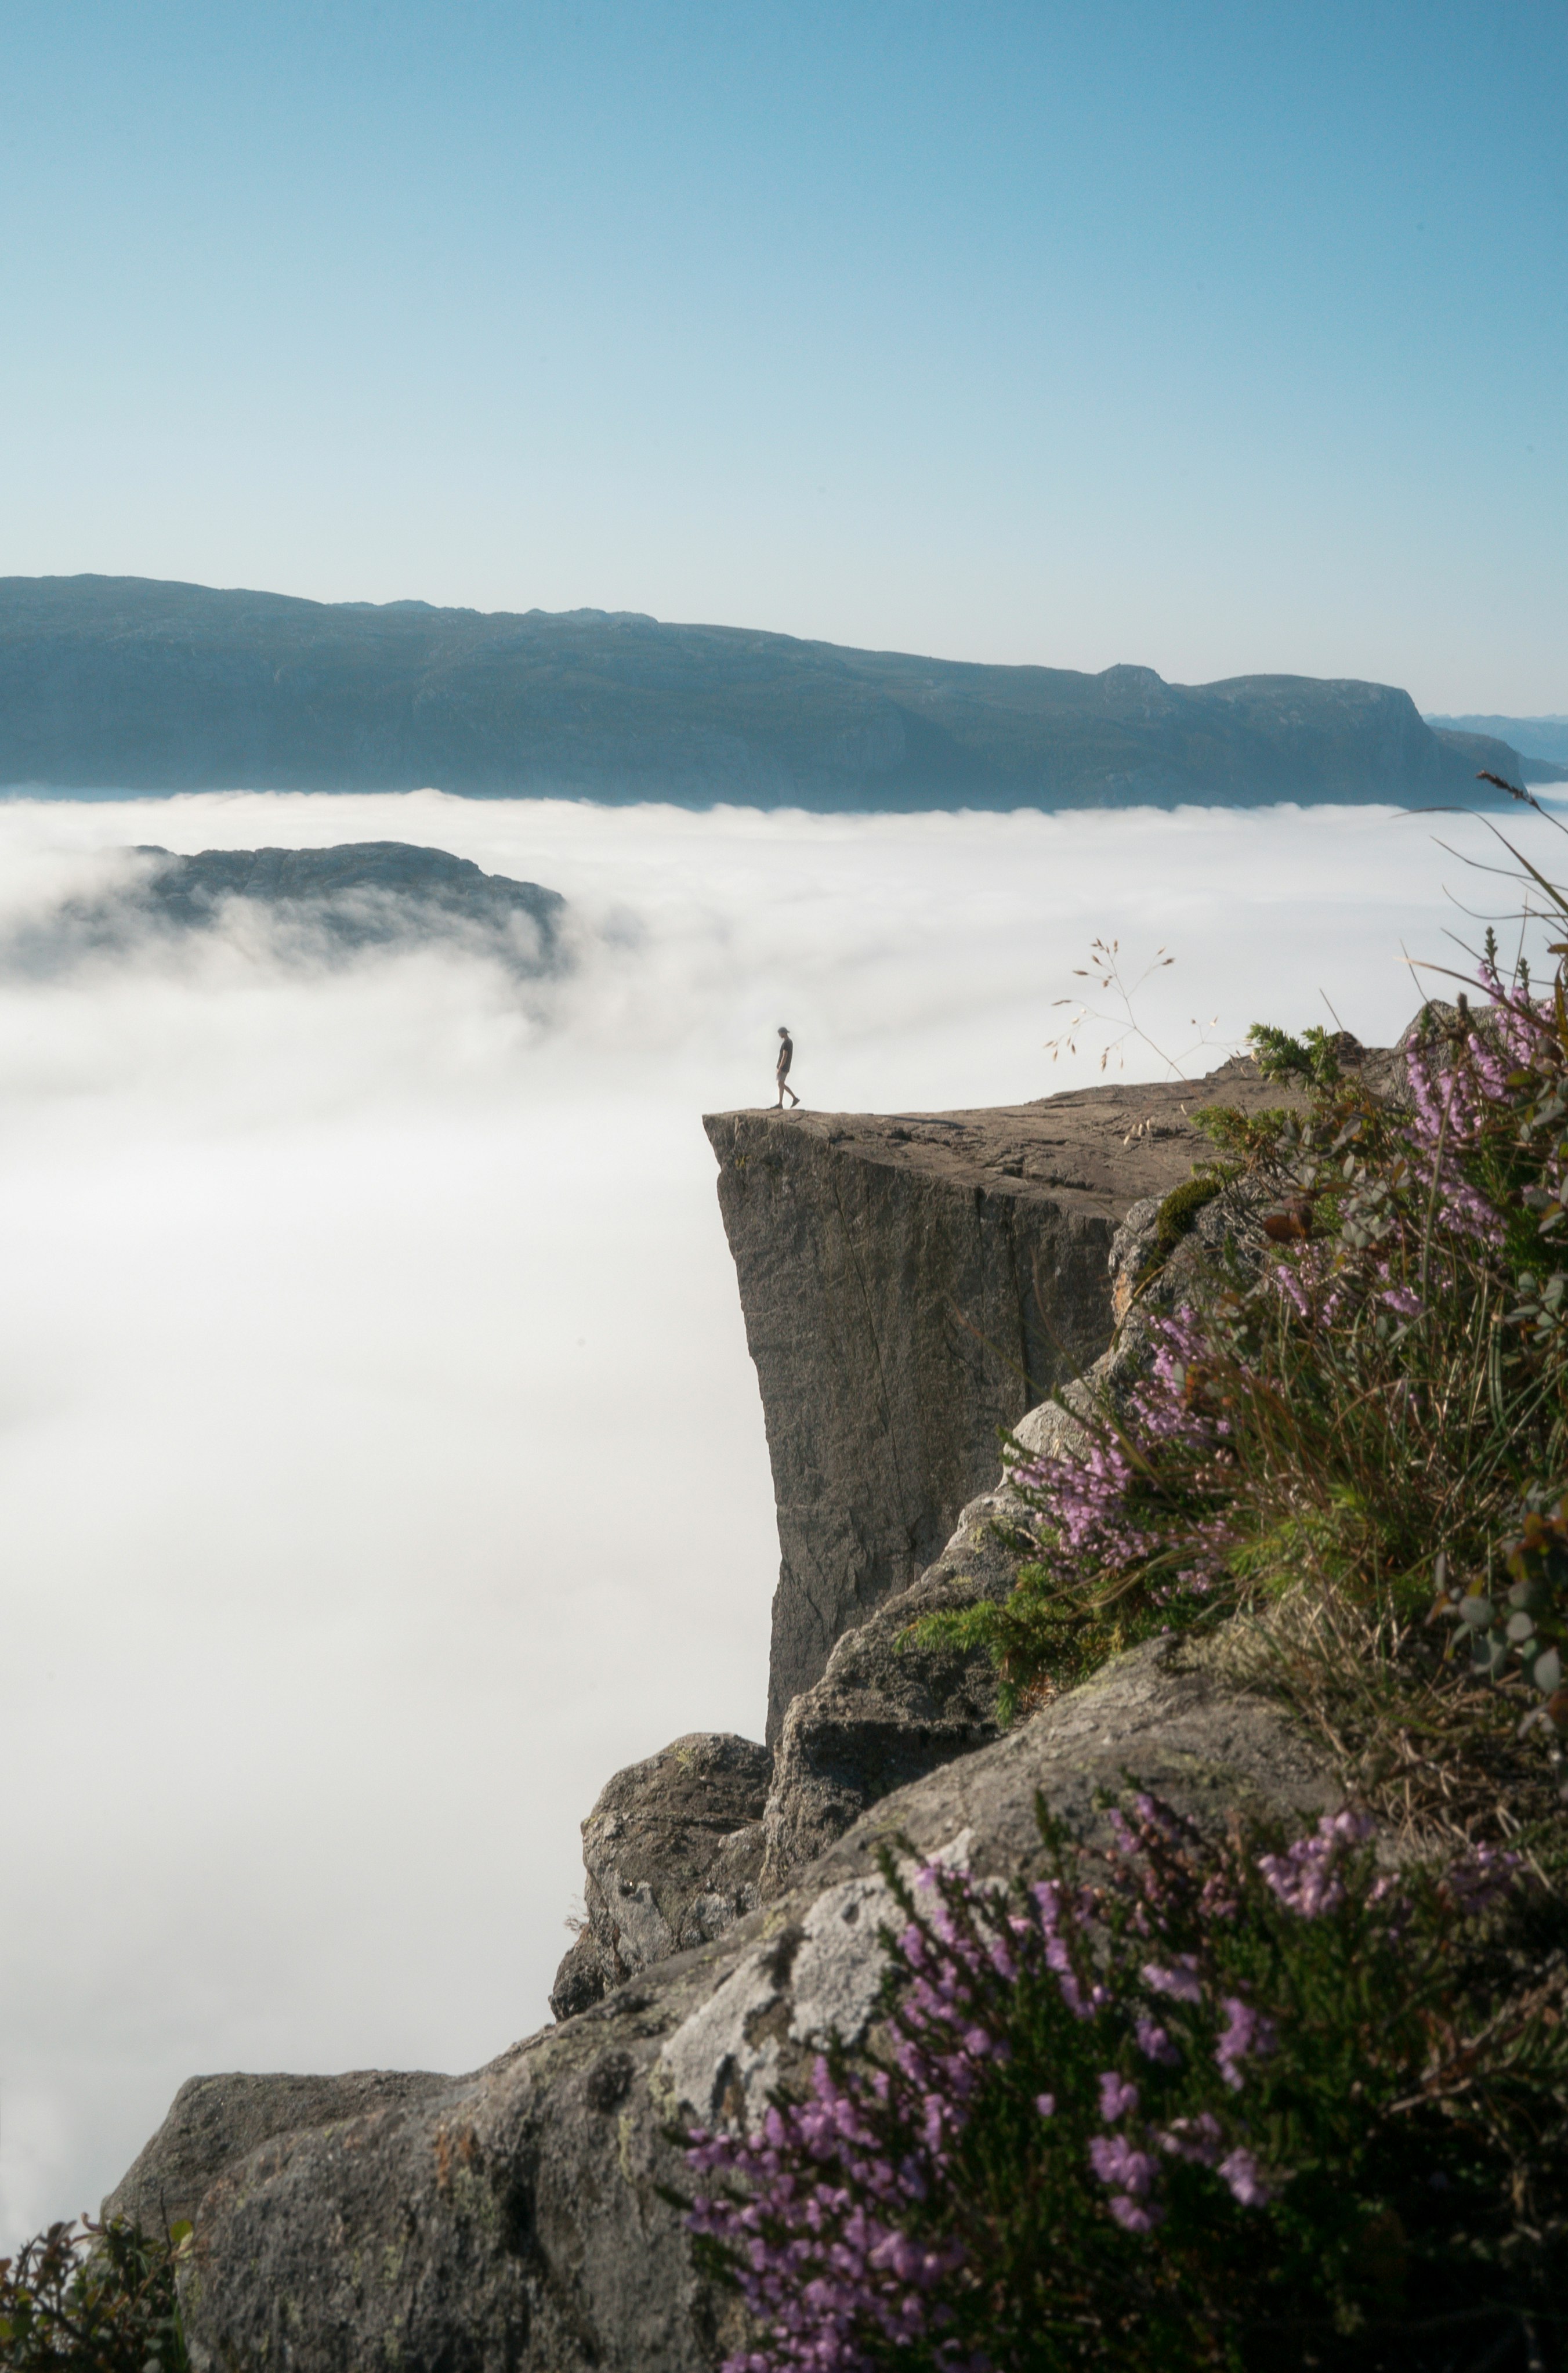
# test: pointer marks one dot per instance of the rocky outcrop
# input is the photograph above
(887, 1710)
(513, 2221)
(911, 1286)
(672, 1854)
(516, 2220)
(310, 905)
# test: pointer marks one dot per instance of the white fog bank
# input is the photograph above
(382, 1466)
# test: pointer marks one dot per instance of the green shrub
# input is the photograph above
(100, 2298)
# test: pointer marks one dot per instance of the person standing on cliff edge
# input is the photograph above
(786, 1057)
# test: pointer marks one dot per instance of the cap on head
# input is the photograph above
(783, 1030)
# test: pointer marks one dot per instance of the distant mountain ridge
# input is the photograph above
(1535, 736)
(131, 683)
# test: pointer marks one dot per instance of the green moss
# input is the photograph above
(1177, 1215)
(1046, 1633)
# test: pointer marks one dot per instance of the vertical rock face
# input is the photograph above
(912, 1285)
(888, 1709)
(893, 1316)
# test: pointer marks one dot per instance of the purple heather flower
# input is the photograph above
(1247, 2031)
(1307, 1877)
(1045, 2104)
(1481, 1878)
(1118, 2164)
(1156, 2044)
(1116, 2096)
(1196, 2139)
(1133, 2215)
(1245, 2176)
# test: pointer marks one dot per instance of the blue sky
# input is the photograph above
(1215, 338)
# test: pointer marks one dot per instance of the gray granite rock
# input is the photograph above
(512, 2222)
(672, 1854)
(886, 1710)
(215, 2119)
(912, 1285)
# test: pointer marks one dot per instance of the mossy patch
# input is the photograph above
(1177, 1215)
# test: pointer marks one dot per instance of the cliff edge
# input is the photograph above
(911, 1284)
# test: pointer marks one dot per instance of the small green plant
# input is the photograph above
(1527, 1621)
(93, 2299)
(1312, 1061)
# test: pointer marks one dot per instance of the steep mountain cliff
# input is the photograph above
(517, 2220)
(130, 684)
(911, 1284)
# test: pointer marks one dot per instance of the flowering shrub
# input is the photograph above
(1384, 1399)
(1186, 2105)
(100, 2299)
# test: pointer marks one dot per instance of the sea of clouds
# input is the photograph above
(381, 1463)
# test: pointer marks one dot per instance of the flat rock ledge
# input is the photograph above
(513, 2221)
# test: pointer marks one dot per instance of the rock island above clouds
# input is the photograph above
(319, 905)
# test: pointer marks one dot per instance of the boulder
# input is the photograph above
(215, 2119)
(672, 1854)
